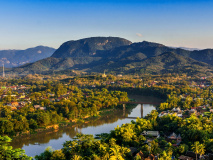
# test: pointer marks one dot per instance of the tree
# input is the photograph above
(58, 155)
(183, 148)
(46, 155)
(198, 148)
(6, 126)
(7, 152)
(154, 148)
(33, 124)
(117, 152)
(202, 150)
(165, 156)
(76, 157)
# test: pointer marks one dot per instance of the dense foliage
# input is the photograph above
(8, 153)
(57, 102)
(118, 55)
(191, 96)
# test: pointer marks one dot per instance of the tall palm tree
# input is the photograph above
(195, 148)
(202, 150)
(198, 148)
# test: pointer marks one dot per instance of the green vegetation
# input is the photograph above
(119, 56)
(7, 152)
(49, 104)
(184, 122)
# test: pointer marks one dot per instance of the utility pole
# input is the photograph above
(3, 71)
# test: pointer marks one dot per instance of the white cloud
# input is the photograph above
(139, 35)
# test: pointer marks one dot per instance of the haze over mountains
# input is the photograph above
(118, 55)
(14, 58)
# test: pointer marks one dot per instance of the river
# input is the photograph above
(36, 144)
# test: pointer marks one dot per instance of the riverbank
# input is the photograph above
(68, 123)
(35, 144)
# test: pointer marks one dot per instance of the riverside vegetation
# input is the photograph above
(89, 94)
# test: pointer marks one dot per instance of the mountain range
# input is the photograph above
(118, 55)
(14, 58)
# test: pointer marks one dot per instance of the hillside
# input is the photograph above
(119, 55)
(89, 46)
(14, 58)
(167, 62)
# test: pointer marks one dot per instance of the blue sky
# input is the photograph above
(28, 23)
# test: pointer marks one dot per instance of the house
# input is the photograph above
(192, 111)
(150, 135)
(51, 94)
(150, 157)
(14, 104)
(155, 134)
(27, 98)
(22, 87)
(42, 108)
(179, 114)
(185, 158)
(14, 108)
(52, 99)
(176, 109)
(13, 87)
(37, 106)
(60, 98)
(174, 137)
(192, 154)
(20, 96)
(163, 114)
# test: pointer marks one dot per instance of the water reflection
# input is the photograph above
(36, 144)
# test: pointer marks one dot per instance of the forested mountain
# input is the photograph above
(167, 62)
(14, 58)
(119, 55)
(89, 46)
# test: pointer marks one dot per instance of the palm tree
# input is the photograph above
(202, 150)
(198, 148)
(195, 148)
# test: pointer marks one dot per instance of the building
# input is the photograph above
(185, 158)
(104, 75)
(174, 137)
(155, 134)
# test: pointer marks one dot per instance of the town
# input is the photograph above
(185, 116)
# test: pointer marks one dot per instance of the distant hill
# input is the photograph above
(89, 46)
(149, 49)
(14, 58)
(189, 49)
(167, 62)
(119, 55)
